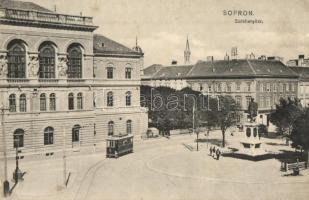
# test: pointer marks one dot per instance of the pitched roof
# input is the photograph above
(23, 5)
(227, 69)
(178, 71)
(104, 45)
(152, 69)
(303, 72)
(233, 68)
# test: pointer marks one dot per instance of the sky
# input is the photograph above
(162, 26)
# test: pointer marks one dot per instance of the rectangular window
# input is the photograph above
(261, 87)
(219, 87)
(292, 87)
(248, 87)
(110, 73)
(268, 87)
(284, 87)
(267, 102)
(238, 118)
(128, 73)
(264, 87)
(238, 101)
(237, 86)
(229, 88)
(248, 100)
(275, 87)
(281, 87)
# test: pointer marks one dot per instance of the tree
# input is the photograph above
(223, 114)
(286, 113)
(300, 132)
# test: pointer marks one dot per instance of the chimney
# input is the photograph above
(226, 57)
(210, 58)
(301, 60)
(174, 62)
(262, 57)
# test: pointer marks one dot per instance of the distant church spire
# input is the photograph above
(187, 52)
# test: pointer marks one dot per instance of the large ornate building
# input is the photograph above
(61, 84)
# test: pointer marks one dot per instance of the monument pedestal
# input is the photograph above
(251, 143)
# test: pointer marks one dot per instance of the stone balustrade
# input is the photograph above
(44, 17)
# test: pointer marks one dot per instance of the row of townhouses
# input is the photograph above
(265, 79)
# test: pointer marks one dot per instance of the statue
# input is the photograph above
(62, 66)
(3, 65)
(33, 66)
(252, 110)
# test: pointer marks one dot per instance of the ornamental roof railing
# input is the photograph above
(49, 17)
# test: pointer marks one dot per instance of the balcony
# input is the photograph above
(76, 80)
(46, 17)
(17, 80)
(48, 80)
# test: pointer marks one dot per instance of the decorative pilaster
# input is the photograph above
(3, 65)
(62, 66)
(33, 65)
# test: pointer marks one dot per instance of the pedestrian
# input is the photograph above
(218, 154)
(214, 151)
(210, 151)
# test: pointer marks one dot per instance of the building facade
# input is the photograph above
(264, 80)
(303, 84)
(63, 85)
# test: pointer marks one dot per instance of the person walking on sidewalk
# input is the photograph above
(213, 151)
(210, 151)
(218, 153)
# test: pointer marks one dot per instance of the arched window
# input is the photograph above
(71, 101)
(12, 102)
(129, 127)
(22, 103)
(52, 102)
(43, 102)
(110, 128)
(80, 101)
(18, 138)
(128, 98)
(248, 132)
(254, 132)
(110, 99)
(16, 60)
(74, 62)
(48, 136)
(47, 61)
(75, 133)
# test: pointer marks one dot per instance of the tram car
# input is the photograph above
(119, 145)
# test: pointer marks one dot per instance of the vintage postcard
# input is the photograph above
(154, 99)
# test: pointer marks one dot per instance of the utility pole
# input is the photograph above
(6, 184)
(64, 160)
(193, 125)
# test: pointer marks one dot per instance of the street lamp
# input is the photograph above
(193, 123)
(6, 184)
(17, 175)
